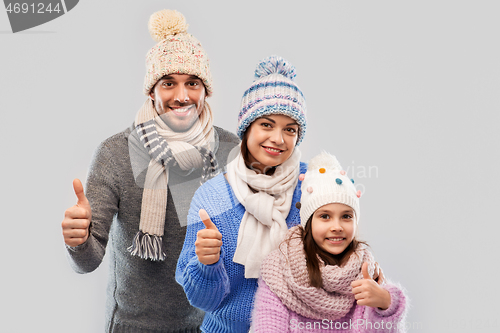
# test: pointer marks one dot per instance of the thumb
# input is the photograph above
(78, 187)
(364, 270)
(381, 277)
(206, 220)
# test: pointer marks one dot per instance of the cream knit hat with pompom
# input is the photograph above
(177, 52)
(325, 182)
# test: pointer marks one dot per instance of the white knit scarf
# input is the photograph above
(267, 200)
(285, 273)
(190, 150)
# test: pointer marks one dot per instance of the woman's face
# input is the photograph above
(270, 141)
(333, 227)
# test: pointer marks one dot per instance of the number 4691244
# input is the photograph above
(38, 8)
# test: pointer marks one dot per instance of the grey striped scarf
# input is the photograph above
(189, 150)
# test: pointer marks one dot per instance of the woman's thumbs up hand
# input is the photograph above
(208, 241)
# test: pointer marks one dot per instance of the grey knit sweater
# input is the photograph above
(142, 295)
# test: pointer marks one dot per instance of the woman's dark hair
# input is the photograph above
(245, 153)
(244, 148)
(312, 251)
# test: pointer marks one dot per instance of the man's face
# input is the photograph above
(179, 99)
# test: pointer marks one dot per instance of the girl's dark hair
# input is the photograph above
(312, 251)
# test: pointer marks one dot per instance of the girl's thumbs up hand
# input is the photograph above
(378, 276)
(208, 241)
(367, 292)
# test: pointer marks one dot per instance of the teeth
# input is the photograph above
(182, 110)
(272, 149)
(336, 239)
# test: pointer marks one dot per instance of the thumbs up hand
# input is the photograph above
(369, 293)
(75, 226)
(208, 241)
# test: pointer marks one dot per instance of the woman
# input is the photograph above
(251, 207)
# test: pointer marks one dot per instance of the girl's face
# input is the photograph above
(333, 227)
(270, 141)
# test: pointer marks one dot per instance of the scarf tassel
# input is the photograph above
(147, 246)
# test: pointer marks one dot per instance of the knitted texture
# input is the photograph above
(190, 150)
(271, 315)
(285, 301)
(285, 272)
(273, 92)
(176, 52)
(267, 200)
(325, 182)
(142, 296)
(221, 289)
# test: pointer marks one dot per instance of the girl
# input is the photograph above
(236, 219)
(319, 280)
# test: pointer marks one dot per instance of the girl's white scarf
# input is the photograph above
(285, 273)
(190, 150)
(267, 200)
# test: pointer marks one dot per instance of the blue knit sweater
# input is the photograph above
(221, 289)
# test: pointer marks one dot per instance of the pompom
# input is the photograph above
(166, 23)
(275, 64)
(302, 176)
(324, 160)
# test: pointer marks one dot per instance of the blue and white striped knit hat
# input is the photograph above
(273, 92)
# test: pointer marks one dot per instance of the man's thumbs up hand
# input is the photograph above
(208, 241)
(82, 199)
(75, 225)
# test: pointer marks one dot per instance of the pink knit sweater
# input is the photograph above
(284, 280)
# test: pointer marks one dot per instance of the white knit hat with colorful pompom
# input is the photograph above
(177, 52)
(273, 92)
(325, 182)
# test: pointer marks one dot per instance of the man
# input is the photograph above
(140, 185)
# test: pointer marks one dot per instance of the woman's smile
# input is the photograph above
(273, 151)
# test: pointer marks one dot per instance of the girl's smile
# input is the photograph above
(337, 240)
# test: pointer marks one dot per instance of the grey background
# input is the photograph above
(406, 94)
